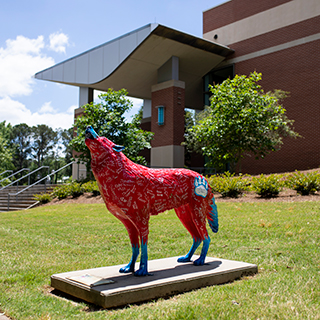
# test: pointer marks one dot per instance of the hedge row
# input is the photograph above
(266, 186)
(226, 184)
(74, 189)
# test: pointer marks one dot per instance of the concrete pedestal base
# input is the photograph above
(108, 288)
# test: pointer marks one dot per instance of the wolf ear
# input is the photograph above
(118, 148)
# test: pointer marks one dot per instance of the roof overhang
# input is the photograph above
(132, 61)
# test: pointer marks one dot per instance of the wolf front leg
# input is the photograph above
(130, 266)
(134, 238)
(143, 270)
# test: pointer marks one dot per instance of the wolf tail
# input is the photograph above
(212, 216)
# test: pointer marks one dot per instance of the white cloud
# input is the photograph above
(58, 42)
(46, 108)
(71, 109)
(19, 61)
(25, 45)
(15, 112)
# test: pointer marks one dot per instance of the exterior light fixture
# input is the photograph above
(160, 115)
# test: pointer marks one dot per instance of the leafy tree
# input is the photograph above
(5, 155)
(107, 118)
(5, 130)
(137, 118)
(23, 146)
(55, 161)
(44, 140)
(21, 140)
(5, 147)
(241, 120)
(189, 119)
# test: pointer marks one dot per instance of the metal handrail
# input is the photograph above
(27, 175)
(45, 185)
(5, 172)
(13, 174)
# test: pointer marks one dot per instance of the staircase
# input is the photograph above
(23, 200)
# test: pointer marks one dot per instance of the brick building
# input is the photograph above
(171, 71)
(280, 39)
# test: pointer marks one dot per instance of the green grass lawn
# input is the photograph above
(281, 238)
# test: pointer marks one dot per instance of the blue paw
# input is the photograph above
(127, 269)
(199, 261)
(201, 186)
(142, 272)
(184, 259)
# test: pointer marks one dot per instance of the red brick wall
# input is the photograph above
(277, 37)
(172, 132)
(235, 10)
(146, 126)
(295, 70)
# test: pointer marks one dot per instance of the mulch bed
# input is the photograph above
(285, 196)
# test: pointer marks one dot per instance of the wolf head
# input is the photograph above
(101, 148)
(95, 143)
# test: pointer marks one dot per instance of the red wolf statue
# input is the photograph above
(133, 192)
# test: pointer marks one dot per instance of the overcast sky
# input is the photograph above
(36, 34)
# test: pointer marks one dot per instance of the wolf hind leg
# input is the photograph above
(188, 256)
(200, 261)
(185, 215)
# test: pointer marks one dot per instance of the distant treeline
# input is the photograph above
(22, 146)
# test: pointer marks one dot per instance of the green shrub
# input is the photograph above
(304, 183)
(5, 182)
(73, 189)
(229, 185)
(76, 189)
(61, 192)
(267, 186)
(91, 186)
(43, 198)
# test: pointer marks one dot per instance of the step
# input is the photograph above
(18, 203)
(19, 197)
(11, 209)
(15, 206)
(30, 191)
(24, 199)
(13, 200)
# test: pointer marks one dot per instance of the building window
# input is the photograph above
(215, 76)
(160, 115)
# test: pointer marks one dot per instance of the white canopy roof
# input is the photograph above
(132, 61)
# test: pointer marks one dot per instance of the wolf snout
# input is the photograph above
(90, 133)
